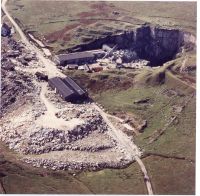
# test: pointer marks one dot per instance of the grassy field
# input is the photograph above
(64, 24)
(19, 178)
(178, 139)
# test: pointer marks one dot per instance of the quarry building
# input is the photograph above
(78, 57)
(68, 89)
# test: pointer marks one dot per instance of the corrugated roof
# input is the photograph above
(61, 86)
(73, 56)
(71, 84)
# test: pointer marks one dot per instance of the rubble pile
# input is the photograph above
(68, 165)
(15, 50)
(28, 138)
(137, 64)
(14, 86)
(44, 140)
(125, 55)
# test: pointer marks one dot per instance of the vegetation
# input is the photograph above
(65, 24)
(178, 139)
(19, 178)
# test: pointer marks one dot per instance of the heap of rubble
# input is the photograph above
(35, 139)
(125, 55)
(16, 86)
(82, 165)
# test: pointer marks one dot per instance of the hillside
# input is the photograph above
(51, 146)
(62, 25)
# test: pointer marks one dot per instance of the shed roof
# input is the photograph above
(61, 86)
(68, 81)
(76, 55)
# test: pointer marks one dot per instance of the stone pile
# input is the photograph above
(137, 64)
(44, 140)
(125, 55)
(38, 140)
(14, 86)
(82, 165)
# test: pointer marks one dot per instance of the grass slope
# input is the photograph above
(64, 24)
(178, 139)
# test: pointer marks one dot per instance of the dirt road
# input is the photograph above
(125, 143)
(49, 119)
(131, 149)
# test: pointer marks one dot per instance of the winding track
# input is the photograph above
(129, 147)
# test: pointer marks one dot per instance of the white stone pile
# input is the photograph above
(82, 165)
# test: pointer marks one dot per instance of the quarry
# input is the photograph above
(74, 127)
(104, 104)
(48, 124)
(146, 46)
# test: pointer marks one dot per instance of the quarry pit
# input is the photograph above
(145, 46)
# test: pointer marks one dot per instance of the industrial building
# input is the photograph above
(68, 89)
(78, 57)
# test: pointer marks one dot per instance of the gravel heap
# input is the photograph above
(82, 165)
(28, 138)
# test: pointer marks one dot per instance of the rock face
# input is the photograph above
(155, 44)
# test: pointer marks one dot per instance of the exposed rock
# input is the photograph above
(155, 44)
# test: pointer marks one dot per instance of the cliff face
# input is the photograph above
(157, 45)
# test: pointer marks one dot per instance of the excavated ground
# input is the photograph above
(47, 131)
(155, 44)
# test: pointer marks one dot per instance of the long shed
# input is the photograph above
(68, 89)
(74, 58)
(78, 58)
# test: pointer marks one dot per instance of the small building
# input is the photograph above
(68, 89)
(5, 30)
(80, 93)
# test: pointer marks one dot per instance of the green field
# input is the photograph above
(175, 148)
(64, 24)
